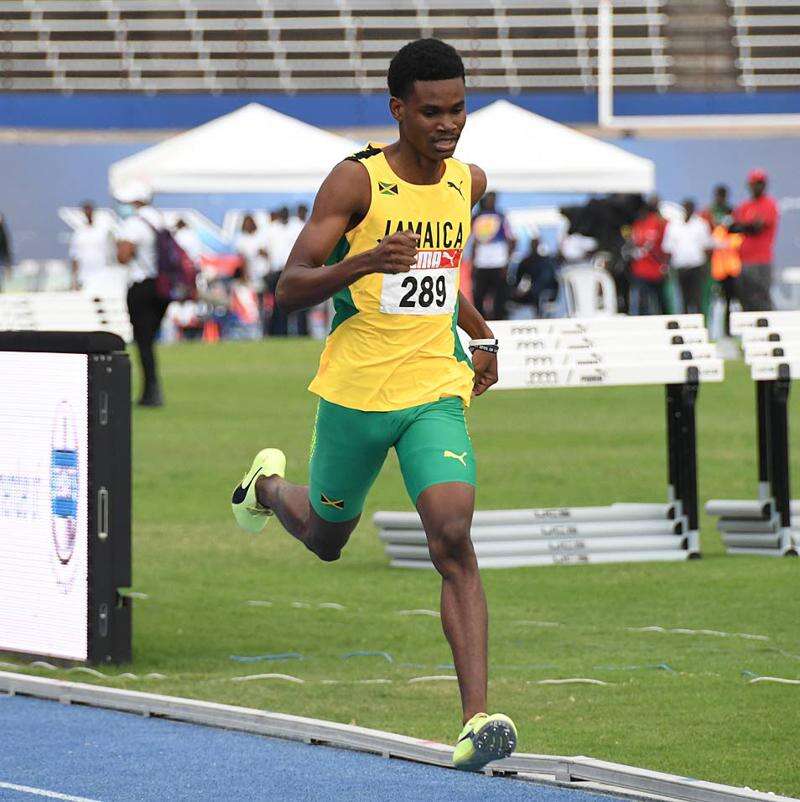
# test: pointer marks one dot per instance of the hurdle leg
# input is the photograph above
(779, 452)
(672, 394)
(763, 409)
(688, 462)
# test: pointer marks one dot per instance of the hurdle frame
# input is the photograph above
(743, 523)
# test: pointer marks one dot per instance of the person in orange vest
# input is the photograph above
(726, 264)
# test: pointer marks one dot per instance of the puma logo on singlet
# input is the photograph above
(460, 457)
(457, 187)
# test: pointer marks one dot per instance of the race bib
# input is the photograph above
(429, 288)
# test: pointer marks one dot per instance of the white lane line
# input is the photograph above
(26, 789)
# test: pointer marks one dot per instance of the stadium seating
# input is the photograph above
(303, 45)
(768, 42)
(593, 352)
(769, 525)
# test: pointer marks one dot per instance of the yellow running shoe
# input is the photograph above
(484, 738)
(249, 514)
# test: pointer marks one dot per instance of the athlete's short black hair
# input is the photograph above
(423, 60)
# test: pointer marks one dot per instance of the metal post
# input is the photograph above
(672, 393)
(763, 433)
(779, 443)
(605, 64)
(688, 449)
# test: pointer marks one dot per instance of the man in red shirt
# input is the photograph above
(648, 266)
(757, 220)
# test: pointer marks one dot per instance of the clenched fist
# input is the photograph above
(396, 253)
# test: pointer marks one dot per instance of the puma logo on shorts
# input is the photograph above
(460, 457)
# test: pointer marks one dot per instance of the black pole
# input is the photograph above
(672, 393)
(688, 447)
(779, 443)
(763, 422)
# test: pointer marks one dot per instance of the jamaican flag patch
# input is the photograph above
(387, 189)
(332, 502)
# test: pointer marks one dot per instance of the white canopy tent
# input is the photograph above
(253, 149)
(523, 152)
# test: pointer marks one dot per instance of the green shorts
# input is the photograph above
(349, 447)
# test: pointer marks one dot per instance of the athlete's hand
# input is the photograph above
(485, 365)
(396, 253)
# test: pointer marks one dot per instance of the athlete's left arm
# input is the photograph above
(470, 319)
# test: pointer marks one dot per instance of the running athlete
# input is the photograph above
(390, 225)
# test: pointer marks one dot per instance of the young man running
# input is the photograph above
(390, 224)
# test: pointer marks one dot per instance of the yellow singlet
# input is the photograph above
(393, 341)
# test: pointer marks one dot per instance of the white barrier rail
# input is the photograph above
(594, 340)
(574, 772)
(509, 360)
(65, 311)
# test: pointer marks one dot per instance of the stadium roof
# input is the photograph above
(253, 149)
(523, 152)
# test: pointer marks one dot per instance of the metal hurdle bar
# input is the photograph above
(771, 342)
(673, 351)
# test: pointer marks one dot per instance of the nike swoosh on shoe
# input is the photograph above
(240, 492)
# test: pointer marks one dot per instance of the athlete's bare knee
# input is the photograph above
(326, 539)
(450, 546)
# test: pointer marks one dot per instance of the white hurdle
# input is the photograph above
(770, 524)
(65, 311)
(620, 350)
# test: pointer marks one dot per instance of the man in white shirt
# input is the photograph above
(280, 241)
(298, 321)
(90, 255)
(688, 244)
(251, 245)
(136, 249)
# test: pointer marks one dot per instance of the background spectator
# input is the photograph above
(648, 263)
(5, 252)
(719, 210)
(493, 244)
(726, 265)
(535, 277)
(187, 238)
(136, 249)
(90, 254)
(298, 321)
(279, 246)
(757, 220)
(251, 244)
(688, 243)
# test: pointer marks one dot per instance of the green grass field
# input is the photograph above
(674, 702)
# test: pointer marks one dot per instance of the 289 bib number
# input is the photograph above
(423, 292)
(419, 292)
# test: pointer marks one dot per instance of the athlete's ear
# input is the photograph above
(396, 107)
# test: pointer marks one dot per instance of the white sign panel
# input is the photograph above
(43, 504)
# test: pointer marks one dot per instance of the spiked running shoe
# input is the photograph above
(249, 514)
(484, 738)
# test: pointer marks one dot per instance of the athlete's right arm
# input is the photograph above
(341, 203)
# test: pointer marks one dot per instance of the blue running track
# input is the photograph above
(66, 751)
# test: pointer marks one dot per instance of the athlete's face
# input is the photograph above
(432, 116)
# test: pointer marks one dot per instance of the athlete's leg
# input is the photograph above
(438, 467)
(446, 512)
(291, 506)
(347, 451)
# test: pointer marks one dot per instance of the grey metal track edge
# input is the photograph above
(602, 775)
